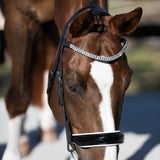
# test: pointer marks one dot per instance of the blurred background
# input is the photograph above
(141, 110)
(143, 51)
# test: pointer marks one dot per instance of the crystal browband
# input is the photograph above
(98, 58)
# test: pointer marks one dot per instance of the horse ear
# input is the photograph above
(126, 23)
(81, 24)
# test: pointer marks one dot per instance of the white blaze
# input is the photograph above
(103, 76)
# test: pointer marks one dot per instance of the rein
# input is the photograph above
(86, 140)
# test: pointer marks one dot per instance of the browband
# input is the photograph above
(98, 58)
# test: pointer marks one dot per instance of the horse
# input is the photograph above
(90, 66)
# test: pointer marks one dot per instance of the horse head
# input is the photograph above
(94, 90)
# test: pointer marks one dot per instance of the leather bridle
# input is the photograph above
(86, 140)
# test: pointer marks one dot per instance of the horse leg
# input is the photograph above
(47, 121)
(24, 142)
(19, 32)
(46, 43)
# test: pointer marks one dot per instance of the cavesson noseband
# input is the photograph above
(85, 140)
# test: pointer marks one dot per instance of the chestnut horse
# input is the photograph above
(93, 90)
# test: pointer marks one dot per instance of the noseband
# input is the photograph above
(86, 140)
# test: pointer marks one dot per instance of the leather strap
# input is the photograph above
(98, 139)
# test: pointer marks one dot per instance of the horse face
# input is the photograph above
(94, 91)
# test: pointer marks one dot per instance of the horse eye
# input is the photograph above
(74, 89)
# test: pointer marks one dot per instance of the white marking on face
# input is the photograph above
(103, 76)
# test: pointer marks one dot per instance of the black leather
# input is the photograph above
(101, 139)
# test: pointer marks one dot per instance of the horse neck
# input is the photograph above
(101, 3)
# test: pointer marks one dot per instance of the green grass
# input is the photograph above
(145, 63)
(4, 69)
(4, 78)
